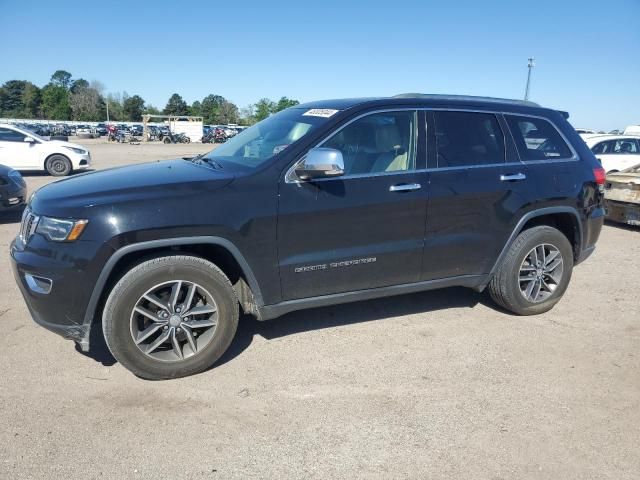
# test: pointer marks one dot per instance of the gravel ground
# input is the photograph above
(430, 385)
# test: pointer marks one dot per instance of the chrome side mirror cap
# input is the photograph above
(321, 163)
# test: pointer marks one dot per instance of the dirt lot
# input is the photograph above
(431, 385)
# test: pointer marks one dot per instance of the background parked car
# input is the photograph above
(13, 189)
(622, 196)
(25, 150)
(615, 152)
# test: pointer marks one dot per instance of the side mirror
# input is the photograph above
(28, 139)
(321, 163)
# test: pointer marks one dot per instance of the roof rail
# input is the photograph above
(466, 97)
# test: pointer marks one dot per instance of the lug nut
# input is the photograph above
(165, 327)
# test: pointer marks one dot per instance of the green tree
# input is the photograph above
(151, 110)
(195, 109)
(133, 108)
(55, 102)
(210, 106)
(31, 101)
(11, 101)
(176, 106)
(116, 109)
(77, 84)
(285, 103)
(263, 108)
(61, 78)
(227, 113)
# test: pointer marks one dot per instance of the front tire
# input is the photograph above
(535, 273)
(58, 166)
(170, 317)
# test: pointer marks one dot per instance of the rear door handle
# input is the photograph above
(514, 177)
(405, 187)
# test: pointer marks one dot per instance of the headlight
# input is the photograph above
(79, 151)
(17, 178)
(61, 230)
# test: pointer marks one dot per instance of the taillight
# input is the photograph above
(600, 175)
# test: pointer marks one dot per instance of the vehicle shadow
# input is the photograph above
(383, 309)
(42, 173)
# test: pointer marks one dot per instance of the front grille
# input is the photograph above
(29, 225)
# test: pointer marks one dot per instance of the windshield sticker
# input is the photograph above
(320, 112)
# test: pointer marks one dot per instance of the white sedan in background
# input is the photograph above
(615, 152)
(24, 150)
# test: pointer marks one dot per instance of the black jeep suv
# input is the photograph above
(323, 203)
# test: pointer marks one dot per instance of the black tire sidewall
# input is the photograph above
(58, 158)
(547, 235)
(117, 315)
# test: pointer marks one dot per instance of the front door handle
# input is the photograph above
(405, 187)
(514, 177)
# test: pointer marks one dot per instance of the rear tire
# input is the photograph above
(166, 140)
(525, 287)
(124, 326)
(58, 166)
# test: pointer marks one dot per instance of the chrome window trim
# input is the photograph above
(290, 176)
(574, 158)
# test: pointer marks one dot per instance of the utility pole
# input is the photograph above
(107, 109)
(530, 65)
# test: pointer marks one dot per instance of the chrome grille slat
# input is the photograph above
(28, 225)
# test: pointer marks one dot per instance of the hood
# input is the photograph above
(62, 143)
(143, 182)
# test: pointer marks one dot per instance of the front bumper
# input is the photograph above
(60, 308)
(81, 162)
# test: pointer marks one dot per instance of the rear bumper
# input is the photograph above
(591, 229)
(622, 212)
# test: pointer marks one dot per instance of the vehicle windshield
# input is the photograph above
(254, 146)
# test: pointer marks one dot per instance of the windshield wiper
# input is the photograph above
(202, 158)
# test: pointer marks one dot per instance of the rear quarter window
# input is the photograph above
(537, 139)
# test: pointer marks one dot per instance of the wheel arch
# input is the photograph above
(218, 250)
(565, 219)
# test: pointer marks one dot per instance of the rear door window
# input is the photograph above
(604, 147)
(537, 139)
(468, 139)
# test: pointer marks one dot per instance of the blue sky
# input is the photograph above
(587, 52)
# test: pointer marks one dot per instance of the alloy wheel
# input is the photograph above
(174, 320)
(540, 273)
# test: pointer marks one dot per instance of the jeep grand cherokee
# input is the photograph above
(323, 203)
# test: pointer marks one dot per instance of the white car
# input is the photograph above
(24, 150)
(615, 152)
